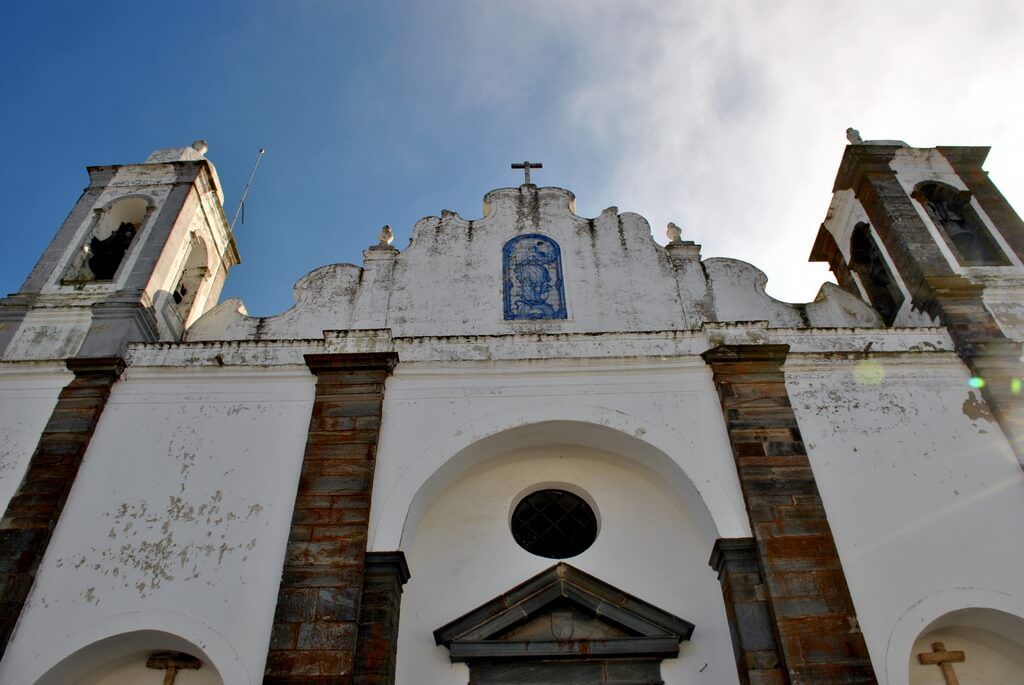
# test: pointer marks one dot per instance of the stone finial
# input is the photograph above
(853, 136)
(387, 236)
(674, 233)
(200, 146)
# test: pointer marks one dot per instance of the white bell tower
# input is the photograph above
(143, 253)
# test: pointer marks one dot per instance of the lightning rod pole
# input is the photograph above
(245, 193)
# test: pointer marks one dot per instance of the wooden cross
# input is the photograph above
(171, 663)
(526, 166)
(944, 660)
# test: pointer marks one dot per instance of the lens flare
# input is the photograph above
(976, 382)
(1015, 386)
(869, 372)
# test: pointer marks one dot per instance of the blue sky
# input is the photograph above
(726, 118)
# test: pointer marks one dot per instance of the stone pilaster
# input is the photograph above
(33, 512)
(316, 623)
(377, 645)
(804, 584)
(758, 657)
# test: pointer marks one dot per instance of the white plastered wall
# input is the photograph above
(921, 490)
(28, 393)
(449, 279)
(463, 554)
(440, 419)
(51, 333)
(177, 521)
(192, 223)
(647, 441)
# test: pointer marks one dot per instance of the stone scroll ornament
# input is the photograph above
(532, 274)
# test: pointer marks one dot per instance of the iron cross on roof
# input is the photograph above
(526, 166)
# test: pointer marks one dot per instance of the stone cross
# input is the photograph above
(172, 662)
(944, 660)
(526, 166)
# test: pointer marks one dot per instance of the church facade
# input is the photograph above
(531, 447)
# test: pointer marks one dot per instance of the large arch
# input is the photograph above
(986, 610)
(694, 479)
(85, 653)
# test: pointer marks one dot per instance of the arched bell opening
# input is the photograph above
(867, 261)
(111, 233)
(959, 224)
(194, 271)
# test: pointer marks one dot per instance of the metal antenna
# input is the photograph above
(241, 203)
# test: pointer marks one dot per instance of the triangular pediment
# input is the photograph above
(564, 612)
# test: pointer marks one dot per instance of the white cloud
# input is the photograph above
(729, 117)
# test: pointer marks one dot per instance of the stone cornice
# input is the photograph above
(860, 158)
(648, 345)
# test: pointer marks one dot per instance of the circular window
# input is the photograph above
(554, 523)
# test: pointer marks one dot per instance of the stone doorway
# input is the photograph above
(564, 626)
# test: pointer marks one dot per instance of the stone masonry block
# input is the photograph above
(806, 614)
(322, 579)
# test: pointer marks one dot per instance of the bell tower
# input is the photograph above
(143, 253)
(926, 237)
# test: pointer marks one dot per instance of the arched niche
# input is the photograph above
(959, 225)
(990, 610)
(193, 272)
(122, 660)
(99, 649)
(111, 233)
(981, 647)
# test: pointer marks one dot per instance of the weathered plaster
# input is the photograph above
(913, 477)
(177, 524)
(616, 279)
(28, 393)
(49, 333)
(182, 504)
(1003, 301)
